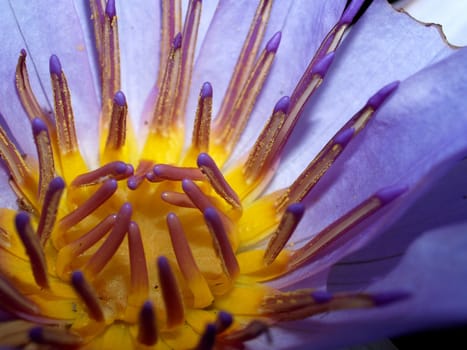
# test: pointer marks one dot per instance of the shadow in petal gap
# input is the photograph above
(171, 243)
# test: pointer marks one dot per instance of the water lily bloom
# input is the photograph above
(185, 175)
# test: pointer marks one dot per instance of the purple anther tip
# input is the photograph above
(35, 334)
(186, 184)
(177, 42)
(204, 160)
(54, 65)
(23, 52)
(57, 184)
(208, 337)
(322, 66)
(147, 310)
(377, 99)
(385, 298)
(351, 11)
(77, 278)
(390, 193)
(129, 170)
(273, 43)
(282, 105)
(125, 209)
(296, 209)
(132, 183)
(21, 221)
(38, 126)
(321, 296)
(120, 167)
(210, 214)
(110, 9)
(163, 263)
(225, 319)
(120, 99)
(343, 137)
(206, 90)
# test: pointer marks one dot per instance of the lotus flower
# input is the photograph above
(193, 189)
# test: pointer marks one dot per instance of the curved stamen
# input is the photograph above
(175, 313)
(221, 243)
(139, 270)
(115, 170)
(88, 295)
(287, 226)
(33, 249)
(217, 180)
(202, 125)
(197, 197)
(107, 250)
(50, 208)
(90, 205)
(147, 325)
(45, 154)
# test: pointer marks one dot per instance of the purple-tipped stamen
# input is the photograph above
(147, 325)
(343, 137)
(120, 99)
(88, 295)
(377, 99)
(388, 194)
(206, 90)
(55, 66)
(273, 43)
(282, 105)
(208, 338)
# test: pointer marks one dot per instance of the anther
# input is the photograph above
(54, 337)
(202, 296)
(175, 173)
(228, 133)
(194, 193)
(13, 300)
(223, 321)
(45, 154)
(115, 170)
(208, 338)
(64, 118)
(147, 325)
(280, 237)
(99, 197)
(15, 163)
(217, 180)
(344, 224)
(142, 172)
(221, 243)
(107, 250)
(117, 127)
(202, 125)
(88, 295)
(175, 313)
(33, 249)
(139, 270)
(50, 207)
(261, 159)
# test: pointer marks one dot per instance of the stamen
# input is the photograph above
(228, 134)
(90, 205)
(55, 337)
(162, 172)
(110, 65)
(287, 226)
(49, 209)
(64, 118)
(25, 93)
(323, 161)
(142, 172)
(97, 17)
(245, 61)
(33, 249)
(107, 250)
(260, 158)
(13, 300)
(178, 199)
(115, 170)
(147, 325)
(171, 25)
(221, 243)
(139, 270)
(15, 163)
(202, 296)
(202, 126)
(344, 224)
(117, 128)
(88, 295)
(190, 34)
(208, 338)
(217, 180)
(170, 293)
(223, 321)
(197, 197)
(251, 331)
(45, 154)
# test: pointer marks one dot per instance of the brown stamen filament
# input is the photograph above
(175, 313)
(45, 154)
(287, 226)
(147, 325)
(97, 17)
(99, 197)
(139, 270)
(33, 249)
(221, 243)
(107, 250)
(202, 125)
(88, 295)
(50, 208)
(13, 300)
(217, 180)
(117, 127)
(15, 163)
(115, 170)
